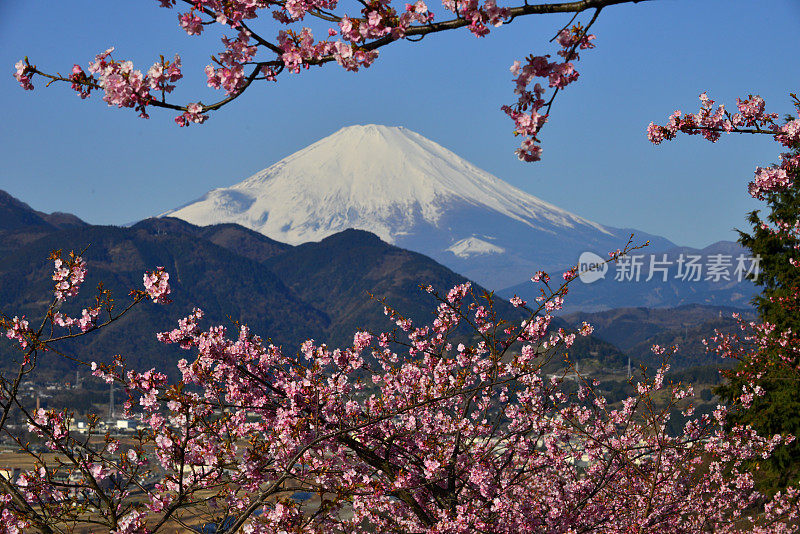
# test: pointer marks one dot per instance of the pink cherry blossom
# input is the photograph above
(156, 285)
(23, 75)
(191, 23)
(19, 331)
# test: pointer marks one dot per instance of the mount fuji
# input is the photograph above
(415, 194)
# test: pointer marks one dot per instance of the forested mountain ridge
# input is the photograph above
(285, 293)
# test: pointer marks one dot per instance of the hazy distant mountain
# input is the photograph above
(412, 193)
(626, 284)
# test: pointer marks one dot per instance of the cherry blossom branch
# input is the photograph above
(432, 441)
(360, 38)
(750, 118)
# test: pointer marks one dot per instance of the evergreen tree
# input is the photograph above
(778, 410)
(778, 277)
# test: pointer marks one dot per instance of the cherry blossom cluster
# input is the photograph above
(81, 83)
(404, 426)
(162, 74)
(421, 428)
(230, 73)
(11, 523)
(156, 285)
(36, 489)
(68, 276)
(147, 383)
(193, 114)
(228, 12)
(750, 117)
(760, 346)
(767, 180)
(711, 123)
(416, 12)
(50, 424)
(188, 327)
(24, 73)
(527, 111)
(85, 322)
(108, 372)
(301, 49)
(87, 467)
(517, 302)
(122, 84)
(17, 329)
(540, 276)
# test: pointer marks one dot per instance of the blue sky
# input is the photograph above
(107, 166)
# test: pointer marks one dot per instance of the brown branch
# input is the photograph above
(413, 31)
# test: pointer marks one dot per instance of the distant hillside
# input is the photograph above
(201, 274)
(338, 274)
(284, 293)
(635, 330)
(235, 238)
(20, 224)
(19, 216)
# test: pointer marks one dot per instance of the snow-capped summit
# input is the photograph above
(412, 192)
(387, 180)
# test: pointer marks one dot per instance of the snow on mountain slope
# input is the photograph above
(472, 246)
(411, 192)
(370, 177)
